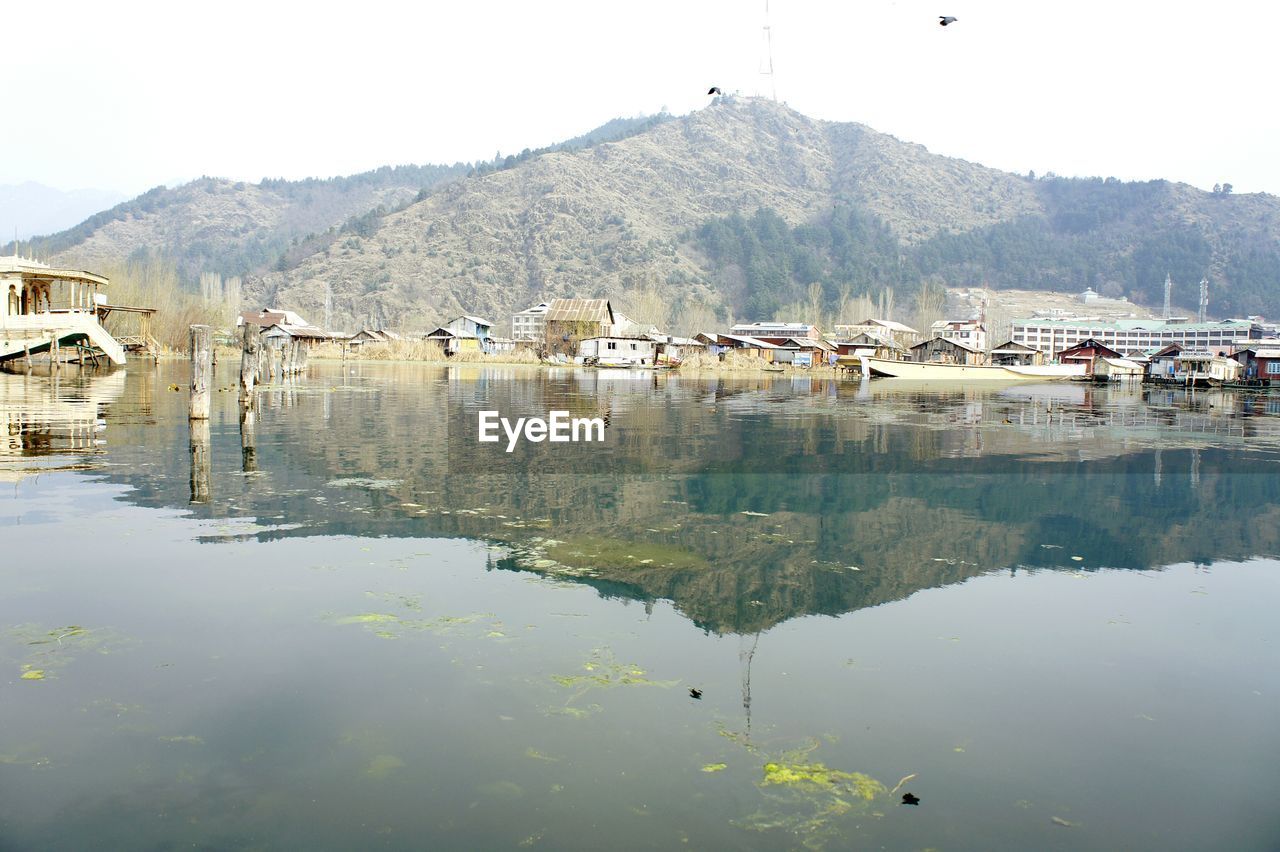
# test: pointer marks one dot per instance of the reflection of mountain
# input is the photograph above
(744, 504)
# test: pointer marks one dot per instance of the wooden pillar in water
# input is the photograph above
(273, 362)
(248, 438)
(200, 461)
(26, 357)
(55, 355)
(250, 344)
(201, 371)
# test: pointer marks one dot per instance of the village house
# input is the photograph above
(281, 325)
(805, 352)
(1260, 364)
(776, 332)
(529, 325)
(570, 321)
(943, 351)
(672, 349)
(618, 351)
(870, 345)
(1087, 352)
(1011, 354)
(970, 333)
(465, 333)
(372, 335)
(903, 335)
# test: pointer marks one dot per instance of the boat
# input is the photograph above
(933, 371)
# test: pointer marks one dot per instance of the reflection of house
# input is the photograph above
(618, 351)
(943, 351)
(529, 326)
(1012, 354)
(970, 333)
(569, 321)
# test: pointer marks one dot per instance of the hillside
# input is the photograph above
(745, 209)
(232, 227)
(739, 208)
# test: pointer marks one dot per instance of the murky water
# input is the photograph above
(1052, 608)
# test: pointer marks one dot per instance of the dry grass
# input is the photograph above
(154, 283)
(734, 362)
(421, 350)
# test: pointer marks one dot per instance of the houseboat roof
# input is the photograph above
(1266, 353)
(32, 269)
(474, 319)
(580, 310)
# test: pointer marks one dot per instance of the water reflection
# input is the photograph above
(745, 502)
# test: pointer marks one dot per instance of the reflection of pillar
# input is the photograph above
(200, 461)
(248, 439)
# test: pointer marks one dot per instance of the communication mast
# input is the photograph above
(766, 62)
(1204, 299)
(1168, 291)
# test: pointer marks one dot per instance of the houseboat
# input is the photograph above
(45, 309)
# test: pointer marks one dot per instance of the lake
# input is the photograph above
(1047, 611)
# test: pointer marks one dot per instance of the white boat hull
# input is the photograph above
(932, 372)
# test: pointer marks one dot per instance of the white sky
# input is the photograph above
(127, 95)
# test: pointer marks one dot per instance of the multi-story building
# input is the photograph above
(530, 324)
(770, 330)
(971, 333)
(1130, 335)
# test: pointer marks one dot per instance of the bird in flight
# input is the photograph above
(943, 20)
(714, 90)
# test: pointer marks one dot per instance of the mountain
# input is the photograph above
(745, 208)
(31, 208)
(233, 227)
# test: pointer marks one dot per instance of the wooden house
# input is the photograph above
(805, 352)
(570, 321)
(1087, 352)
(943, 351)
(1260, 365)
(1011, 354)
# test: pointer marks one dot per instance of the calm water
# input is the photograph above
(1054, 606)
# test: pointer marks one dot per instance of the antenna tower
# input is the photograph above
(766, 65)
(1204, 299)
(1168, 291)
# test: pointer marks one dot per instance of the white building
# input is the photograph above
(769, 330)
(1130, 335)
(971, 333)
(530, 324)
(618, 351)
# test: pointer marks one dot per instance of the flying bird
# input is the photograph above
(714, 90)
(943, 20)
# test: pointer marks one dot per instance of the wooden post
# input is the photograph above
(273, 361)
(248, 439)
(54, 355)
(250, 343)
(201, 371)
(200, 460)
(26, 356)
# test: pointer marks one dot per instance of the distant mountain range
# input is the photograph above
(739, 208)
(31, 208)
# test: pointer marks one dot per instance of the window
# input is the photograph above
(1273, 368)
(611, 345)
(633, 347)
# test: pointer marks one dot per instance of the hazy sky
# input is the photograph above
(128, 95)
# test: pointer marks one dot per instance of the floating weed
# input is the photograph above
(534, 754)
(603, 553)
(387, 625)
(188, 739)
(714, 767)
(49, 650)
(382, 765)
(806, 797)
(363, 482)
